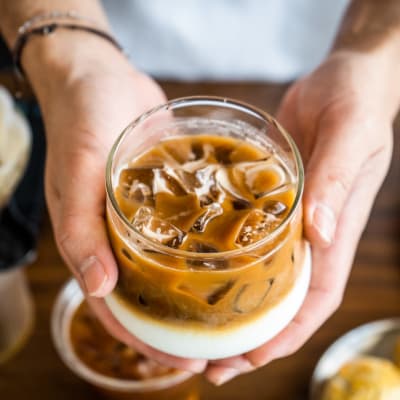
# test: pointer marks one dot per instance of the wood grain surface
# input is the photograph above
(373, 292)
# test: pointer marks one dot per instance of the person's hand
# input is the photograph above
(85, 106)
(341, 118)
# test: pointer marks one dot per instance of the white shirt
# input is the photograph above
(275, 40)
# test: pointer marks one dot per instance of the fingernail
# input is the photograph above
(324, 222)
(226, 376)
(94, 276)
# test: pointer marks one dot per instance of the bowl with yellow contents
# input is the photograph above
(363, 364)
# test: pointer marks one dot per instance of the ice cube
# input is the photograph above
(219, 293)
(180, 150)
(140, 192)
(205, 263)
(223, 154)
(156, 228)
(202, 151)
(199, 180)
(275, 207)
(199, 175)
(158, 157)
(264, 176)
(132, 176)
(207, 183)
(225, 179)
(201, 157)
(168, 181)
(212, 211)
(189, 179)
(205, 175)
(251, 296)
(257, 225)
(205, 200)
(195, 181)
(216, 193)
(210, 292)
(197, 151)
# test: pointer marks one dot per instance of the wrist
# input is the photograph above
(377, 70)
(63, 57)
(385, 54)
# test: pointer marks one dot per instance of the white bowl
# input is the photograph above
(64, 309)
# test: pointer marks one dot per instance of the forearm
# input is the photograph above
(371, 30)
(370, 24)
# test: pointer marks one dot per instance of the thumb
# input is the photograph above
(337, 157)
(80, 230)
(84, 245)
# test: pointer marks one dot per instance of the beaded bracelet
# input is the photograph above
(53, 16)
(26, 33)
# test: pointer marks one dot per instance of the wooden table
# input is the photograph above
(373, 293)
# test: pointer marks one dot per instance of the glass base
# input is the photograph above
(194, 343)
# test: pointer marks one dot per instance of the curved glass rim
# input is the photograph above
(67, 302)
(206, 101)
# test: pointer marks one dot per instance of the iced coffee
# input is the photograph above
(115, 370)
(100, 352)
(208, 239)
(109, 358)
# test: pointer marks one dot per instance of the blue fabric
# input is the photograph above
(275, 40)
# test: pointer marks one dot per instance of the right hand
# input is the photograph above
(87, 96)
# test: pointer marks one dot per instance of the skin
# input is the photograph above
(340, 115)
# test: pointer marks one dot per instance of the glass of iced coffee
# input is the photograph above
(204, 217)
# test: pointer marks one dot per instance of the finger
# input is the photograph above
(119, 332)
(221, 371)
(219, 375)
(79, 226)
(331, 267)
(240, 363)
(339, 153)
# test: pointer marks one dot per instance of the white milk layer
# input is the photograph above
(197, 343)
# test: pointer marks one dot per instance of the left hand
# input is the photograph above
(88, 91)
(341, 118)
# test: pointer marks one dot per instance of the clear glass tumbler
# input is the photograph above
(202, 304)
